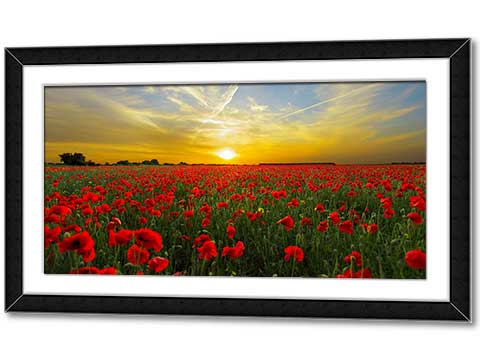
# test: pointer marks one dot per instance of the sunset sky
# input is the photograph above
(242, 124)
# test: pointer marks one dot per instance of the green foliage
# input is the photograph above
(383, 252)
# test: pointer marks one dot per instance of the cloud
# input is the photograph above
(253, 106)
(326, 101)
(210, 100)
(403, 138)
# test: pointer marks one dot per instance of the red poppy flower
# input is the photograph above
(142, 220)
(103, 209)
(287, 222)
(200, 239)
(418, 202)
(323, 226)
(88, 255)
(187, 214)
(158, 264)
(72, 227)
(119, 238)
(388, 213)
(360, 274)
(416, 259)
(206, 209)
(363, 274)
(320, 208)
(52, 219)
(335, 217)
(293, 251)
(80, 243)
(230, 231)
(346, 227)
(89, 196)
(294, 202)
(415, 217)
(386, 203)
(252, 216)
(306, 221)
(235, 251)
(137, 255)
(154, 212)
(108, 271)
(237, 214)
(207, 251)
(355, 257)
(236, 197)
(118, 203)
(148, 239)
(222, 204)
(278, 194)
(205, 222)
(87, 211)
(85, 270)
(60, 210)
(94, 270)
(347, 274)
(51, 236)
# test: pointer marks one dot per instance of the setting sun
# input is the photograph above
(226, 154)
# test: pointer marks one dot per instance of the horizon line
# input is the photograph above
(135, 163)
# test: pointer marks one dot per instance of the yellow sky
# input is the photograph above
(342, 123)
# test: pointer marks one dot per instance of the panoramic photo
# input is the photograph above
(314, 180)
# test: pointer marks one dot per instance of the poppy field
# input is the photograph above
(331, 221)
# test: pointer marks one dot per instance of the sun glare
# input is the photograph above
(226, 154)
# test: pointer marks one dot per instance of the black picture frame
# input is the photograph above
(457, 51)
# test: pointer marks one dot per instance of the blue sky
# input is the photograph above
(240, 123)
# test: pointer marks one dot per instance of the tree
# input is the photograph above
(154, 162)
(146, 162)
(123, 162)
(72, 159)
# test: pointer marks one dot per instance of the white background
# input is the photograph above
(87, 22)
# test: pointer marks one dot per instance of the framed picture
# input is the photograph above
(269, 179)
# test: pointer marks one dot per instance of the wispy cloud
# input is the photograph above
(254, 107)
(329, 100)
(209, 99)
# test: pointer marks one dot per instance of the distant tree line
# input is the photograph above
(78, 159)
(144, 162)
